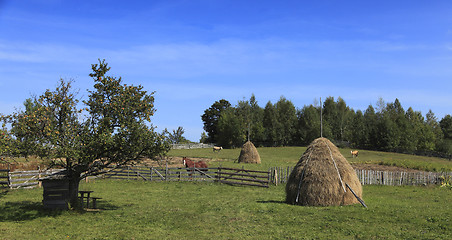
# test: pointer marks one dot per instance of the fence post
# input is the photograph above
(166, 171)
(276, 176)
(268, 178)
(287, 174)
(39, 177)
(9, 177)
(219, 174)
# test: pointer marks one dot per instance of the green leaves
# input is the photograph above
(113, 128)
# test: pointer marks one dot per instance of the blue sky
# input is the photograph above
(195, 52)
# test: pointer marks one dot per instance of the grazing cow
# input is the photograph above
(354, 153)
(217, 149)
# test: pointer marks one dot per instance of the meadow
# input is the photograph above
(206, 210)
(289, 156)
(188, 210)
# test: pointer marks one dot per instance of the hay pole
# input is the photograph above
(340, 178)
(356, 196)
(301, 177)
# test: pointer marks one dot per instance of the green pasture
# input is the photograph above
(188, 210)
(289, 156)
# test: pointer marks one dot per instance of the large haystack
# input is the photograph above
(249, 154)
(324, 173)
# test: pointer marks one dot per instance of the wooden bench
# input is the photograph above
(95, 201)
(88, 199)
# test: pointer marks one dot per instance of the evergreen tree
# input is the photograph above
(446, 126)
(357, 134)
(371, 135)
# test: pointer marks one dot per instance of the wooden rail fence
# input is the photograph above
(161, 174)
(25, 179)
(275, 175)
(224, 175)
(281, 175)
(245, 177)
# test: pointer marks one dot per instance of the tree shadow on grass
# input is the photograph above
(28, 210)
(3, 192)
(25, 210)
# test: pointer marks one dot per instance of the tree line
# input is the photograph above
(385, 127)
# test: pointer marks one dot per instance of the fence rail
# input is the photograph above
(245, 177)
(161, 174)
(275, 175)
(281, 175)
(191, 146)
(21, 179)
(223, 175)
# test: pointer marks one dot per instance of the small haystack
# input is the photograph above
(320, 177)
(249, 154)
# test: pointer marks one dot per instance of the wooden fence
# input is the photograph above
(21, 179)
(191, 146)
(245, 177)
(281, 175)
(161, 174)
(223, 175)
(275, 175)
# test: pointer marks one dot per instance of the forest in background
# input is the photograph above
(385, 127)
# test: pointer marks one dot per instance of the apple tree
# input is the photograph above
(112, 129)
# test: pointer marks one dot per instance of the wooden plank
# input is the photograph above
(242, 170)
(244, 175)
(23, 179)
(14, 175)
(24, 172)
(245, 179)
(240, 183)
(23, 184)
(55, 204)
(160, 175)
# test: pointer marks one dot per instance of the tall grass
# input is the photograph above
(186, 210)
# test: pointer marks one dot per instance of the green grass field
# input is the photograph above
(289, 156)
(186, 210)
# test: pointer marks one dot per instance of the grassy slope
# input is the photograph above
(289, 156)
(184, 210)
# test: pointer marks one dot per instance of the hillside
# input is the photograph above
(289, 156)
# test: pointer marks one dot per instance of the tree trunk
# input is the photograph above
(74, 181)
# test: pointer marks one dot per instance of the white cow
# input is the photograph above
(217, 149)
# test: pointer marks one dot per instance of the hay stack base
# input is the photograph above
(249, 154)
(320, 177)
